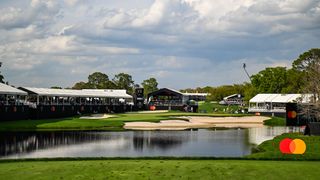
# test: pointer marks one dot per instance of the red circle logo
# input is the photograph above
(289, 146)
(152, 108)
(292, 114)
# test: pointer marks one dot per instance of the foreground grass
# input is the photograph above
(159, 169)
(275, 121)
(113, 124)
(270, 149)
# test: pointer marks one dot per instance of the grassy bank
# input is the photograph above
(159, 169)
(210, 107)
(113, 124)
(270, 149)
(275, 121)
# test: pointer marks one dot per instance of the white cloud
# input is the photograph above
(154, 14)
(190, 41)
(38, 13)
(71, 2)
(170, 62)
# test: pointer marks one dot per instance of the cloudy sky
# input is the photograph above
(182, 43)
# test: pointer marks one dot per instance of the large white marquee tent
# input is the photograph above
(276, 102)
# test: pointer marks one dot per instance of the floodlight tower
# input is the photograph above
(244, 67)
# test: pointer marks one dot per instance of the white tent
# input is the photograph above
(5, 89)
(280, 98)
(114, 93)
(275, 102)
(88, 93)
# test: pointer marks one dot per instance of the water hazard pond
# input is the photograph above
(202, 142)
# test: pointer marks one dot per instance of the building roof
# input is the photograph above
(281, 98)
(116, 93)
(165, 92)
(232, 96)
(77, 93)
(195, 94)
(6, 89)
(169, 91)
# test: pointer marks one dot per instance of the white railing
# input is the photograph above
(263, 109)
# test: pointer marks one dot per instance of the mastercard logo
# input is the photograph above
(292, 114)
(289, 146)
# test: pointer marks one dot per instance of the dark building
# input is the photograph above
(138, 98)
(169, 99)
(12, 103)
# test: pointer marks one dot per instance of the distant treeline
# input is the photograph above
(99, 80)
(303, 77)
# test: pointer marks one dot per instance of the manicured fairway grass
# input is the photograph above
(159, 169)
(275, 121)
(210, 107)
(115, 123)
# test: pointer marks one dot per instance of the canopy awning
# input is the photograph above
(93, 93)
(281, 98)
(6, 89)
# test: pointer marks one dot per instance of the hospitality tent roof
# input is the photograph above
(116, 93)
(166, 92)
(280, 98)
(77, 93)
(195, 94)
(6, 89)
(233, 96)
(169, 91)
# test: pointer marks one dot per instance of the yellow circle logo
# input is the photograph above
(289, 146)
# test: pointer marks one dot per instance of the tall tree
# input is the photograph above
(306, 60)
(98, 80)
(149, 85)
(124, 81)
(270, 80)
(294, 82)
(81, 85)
(1, 76)
(308, 64)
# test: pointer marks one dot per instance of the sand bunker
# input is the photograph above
(199, 122)
(97, 116)
(166, 125)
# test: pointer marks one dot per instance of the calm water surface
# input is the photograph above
(202, 142)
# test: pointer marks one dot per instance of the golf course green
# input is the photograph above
(159, 169)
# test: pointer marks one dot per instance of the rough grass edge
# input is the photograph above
(149, 158)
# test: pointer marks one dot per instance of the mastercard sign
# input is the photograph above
(292, 114)
(289, 146)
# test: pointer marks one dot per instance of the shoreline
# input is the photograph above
(190, 122)
(117, 122)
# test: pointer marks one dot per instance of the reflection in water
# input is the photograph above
(203, 142)
(157, 140)
(24, 142)
(259, 135)
(230, 142)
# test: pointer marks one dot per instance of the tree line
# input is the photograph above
(99, 80)
(302, 77)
